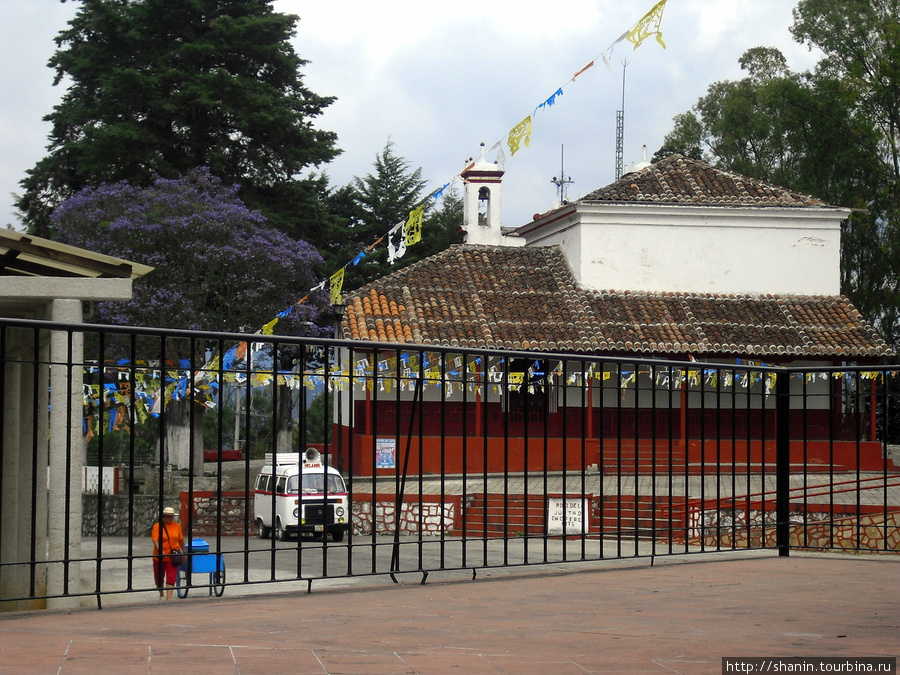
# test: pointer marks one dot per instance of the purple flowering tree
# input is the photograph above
(217, 266)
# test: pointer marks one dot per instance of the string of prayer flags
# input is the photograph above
(403, 235)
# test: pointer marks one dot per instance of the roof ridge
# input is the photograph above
(687, 180)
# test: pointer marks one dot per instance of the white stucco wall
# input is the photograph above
(697, 249)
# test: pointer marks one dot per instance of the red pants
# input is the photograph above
(165, 567)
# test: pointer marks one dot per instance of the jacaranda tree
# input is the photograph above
(217, 265)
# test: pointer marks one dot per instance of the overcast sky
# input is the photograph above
(437, 79)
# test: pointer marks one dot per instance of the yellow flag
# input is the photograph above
(521, 133)
(516, 378)
(413, 229)
(336, 285)
(269, 327)
(648, 25)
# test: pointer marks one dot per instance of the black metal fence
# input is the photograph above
(454, 459)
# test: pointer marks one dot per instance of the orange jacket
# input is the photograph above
(172, 538)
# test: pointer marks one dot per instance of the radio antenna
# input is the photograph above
(562, 180)
(620, 127)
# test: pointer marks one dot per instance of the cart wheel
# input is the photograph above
(218, 581)
(181, 587)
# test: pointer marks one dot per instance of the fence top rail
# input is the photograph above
(363, 347)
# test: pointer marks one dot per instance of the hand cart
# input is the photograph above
(201, 561)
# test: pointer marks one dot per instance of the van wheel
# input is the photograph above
(280, 532)
(261, 529)
(337, 535)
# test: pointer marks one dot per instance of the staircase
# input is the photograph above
(629, 458)
(494, 515)
(627, 516)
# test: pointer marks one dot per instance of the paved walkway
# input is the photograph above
(677, 616)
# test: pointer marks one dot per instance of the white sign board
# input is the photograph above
(107, 483)
(572, 511)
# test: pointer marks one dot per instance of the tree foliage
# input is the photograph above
(371, 205)
(832, 133)
(159, 87)
(218, 266)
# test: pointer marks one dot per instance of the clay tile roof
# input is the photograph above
(527, 298)
(682, 180)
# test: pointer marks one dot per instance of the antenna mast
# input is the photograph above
(620, 127)
(562, 180)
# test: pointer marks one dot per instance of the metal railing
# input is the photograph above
(455, 459)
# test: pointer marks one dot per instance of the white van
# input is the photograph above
(295, 494)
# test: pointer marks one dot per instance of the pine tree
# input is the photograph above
(370, 206)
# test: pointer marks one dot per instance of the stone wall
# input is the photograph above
(116, 514)
(227, 512)
(430, 517)
(814, 530)
(210, 513)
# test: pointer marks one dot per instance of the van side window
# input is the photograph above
(261, 482)
(281, 482)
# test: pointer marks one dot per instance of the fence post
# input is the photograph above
(783, 463)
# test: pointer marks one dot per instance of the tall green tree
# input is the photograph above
(860, 40)
(832, 133)
(159, 87)
(371, 206)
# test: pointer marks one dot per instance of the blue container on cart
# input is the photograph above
(198, 545)
(201, 561)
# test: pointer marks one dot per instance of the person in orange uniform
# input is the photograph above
(166, 539)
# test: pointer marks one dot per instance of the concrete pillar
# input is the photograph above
(67, 455)
(24, 491)
(9, 507)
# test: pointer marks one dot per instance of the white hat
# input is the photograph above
(168, 511)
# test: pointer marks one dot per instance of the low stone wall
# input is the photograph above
(117, 512)
(211, 513)
(430, 517)
(873, 532)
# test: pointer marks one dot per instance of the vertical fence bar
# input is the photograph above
(783, 464)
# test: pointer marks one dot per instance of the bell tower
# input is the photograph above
(481, 203)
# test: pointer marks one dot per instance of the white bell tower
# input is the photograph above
(481, 204)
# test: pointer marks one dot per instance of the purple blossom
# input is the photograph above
(218, 266)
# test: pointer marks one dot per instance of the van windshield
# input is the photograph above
(314, 483)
